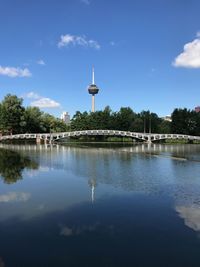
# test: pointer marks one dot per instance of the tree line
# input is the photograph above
(125, 119)
(15, 118)
(184, 121)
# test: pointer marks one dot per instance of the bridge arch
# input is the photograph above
(117, 133)
(145, 137)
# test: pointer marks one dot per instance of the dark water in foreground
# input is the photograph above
(119, 207)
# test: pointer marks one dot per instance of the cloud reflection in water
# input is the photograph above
(191, 216)
(15, 197)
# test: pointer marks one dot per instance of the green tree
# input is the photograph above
(185, 121)
(58, 125)
(151, 121)
(80, 121)
(124, 119)
(12, 114)
(165, 127)
(49, 123)
(1, 118)
(139, 124)
(107, 116)
(33, 118)
(100, 119)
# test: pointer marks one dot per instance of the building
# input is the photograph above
(65, 117)
(167, 118)
(197, 109)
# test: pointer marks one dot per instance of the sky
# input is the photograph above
(146, 54)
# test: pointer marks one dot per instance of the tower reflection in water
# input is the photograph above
(92, 184)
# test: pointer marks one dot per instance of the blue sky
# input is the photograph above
(146, 53)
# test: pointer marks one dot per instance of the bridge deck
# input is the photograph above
(134, 135)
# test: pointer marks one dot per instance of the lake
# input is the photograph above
(85, 206)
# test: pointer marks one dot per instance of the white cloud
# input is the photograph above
(45, 102)
(15, 72)
(65, 40)
(40, 101)
(190, 57)
(41, 62)
(32, 95)
(68, 39)
(14, 197)
(198, 34)
(86, 2)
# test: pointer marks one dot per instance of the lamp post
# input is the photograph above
(149, 136)
(149, 122)
(144, 124)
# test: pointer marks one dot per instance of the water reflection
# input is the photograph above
(187, 204)
(190, 215)
(143, 200)
(14, 197)
(143, 168)
(12, 164)
(79, 229)
(1, 263)
(92, 184)
(117, 232)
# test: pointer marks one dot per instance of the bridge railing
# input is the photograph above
(138, 135)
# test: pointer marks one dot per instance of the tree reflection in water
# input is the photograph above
(12, 164)
(1, 263)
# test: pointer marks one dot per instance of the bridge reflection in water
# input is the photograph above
(57, 149)
(82, 195)
(53, 137)
(88, 162)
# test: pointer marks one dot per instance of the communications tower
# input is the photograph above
(93, 90)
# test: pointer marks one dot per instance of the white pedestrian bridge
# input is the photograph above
(53, 137)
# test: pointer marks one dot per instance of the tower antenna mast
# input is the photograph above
(93, 75)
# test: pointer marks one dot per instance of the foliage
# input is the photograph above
(33, 118)
(12, 114)
(125, 119)
(165, 127)
(185, 121)
(12, 164)
(14, 118)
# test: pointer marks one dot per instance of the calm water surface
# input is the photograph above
(88, 206)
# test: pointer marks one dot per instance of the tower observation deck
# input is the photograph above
(93, 90)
